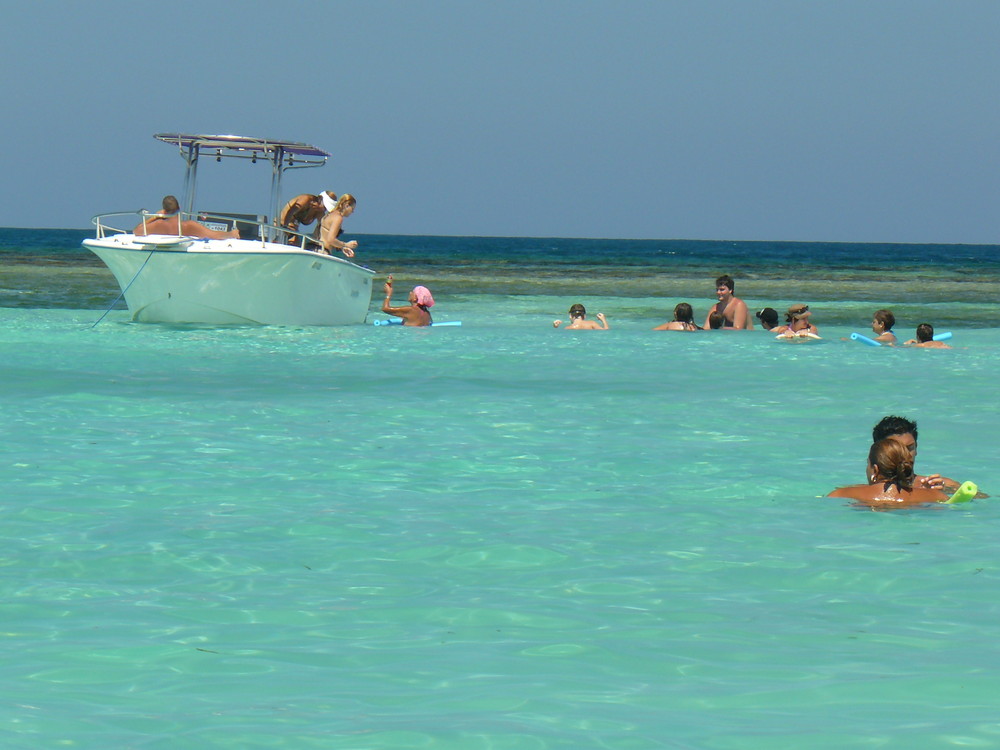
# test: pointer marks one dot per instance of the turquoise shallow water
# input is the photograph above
(492, 536)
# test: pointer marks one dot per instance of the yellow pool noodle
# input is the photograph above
(964, 494)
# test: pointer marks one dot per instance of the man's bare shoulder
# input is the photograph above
(854, 492)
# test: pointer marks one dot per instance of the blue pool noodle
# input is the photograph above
(864, 339)
(400, 322)
(943, 336)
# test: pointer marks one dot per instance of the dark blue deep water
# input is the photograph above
(48, 268)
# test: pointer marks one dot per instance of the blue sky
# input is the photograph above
(735, 119)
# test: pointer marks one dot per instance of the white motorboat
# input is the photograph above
(256, 279)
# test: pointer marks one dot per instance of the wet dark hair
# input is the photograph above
(925, 332)
(886, 318)
(889, 426)
(768, 317)
(716, 320)
(577, 311)
(683, 313)
(727, 281)
(170, 205)
(894, 463)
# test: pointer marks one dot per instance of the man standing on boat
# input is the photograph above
(301, 210)
(734, 311)
(170, 221)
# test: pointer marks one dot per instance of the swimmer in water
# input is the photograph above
(890, 480)
(417, 313)
(716, 320)
(925, 338)
(797, 324)
(683, 320)
(882, 323)
(905, 431)
(768, 318)
(734, 310)
(578, 320)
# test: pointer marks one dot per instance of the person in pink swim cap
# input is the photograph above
(417, 313)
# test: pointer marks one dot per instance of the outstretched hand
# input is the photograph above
(931, 482)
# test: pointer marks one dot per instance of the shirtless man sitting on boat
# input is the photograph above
(169, 221)
(733, 310)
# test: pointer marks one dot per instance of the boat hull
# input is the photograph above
(234, 282)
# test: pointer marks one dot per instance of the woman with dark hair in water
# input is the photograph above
(882, 323)
(890, 479)
(683, 320)
(768, 318)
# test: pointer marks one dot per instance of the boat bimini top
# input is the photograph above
(283, 155)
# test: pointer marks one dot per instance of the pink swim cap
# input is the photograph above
(423, 295)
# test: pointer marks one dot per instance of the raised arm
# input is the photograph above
(387, 302)
(399, 312)
(410, 314)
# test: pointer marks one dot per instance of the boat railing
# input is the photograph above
(259, 228)
(250, 227)
(126, 222)
(301, 240)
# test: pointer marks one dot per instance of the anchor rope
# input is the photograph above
(125, 289)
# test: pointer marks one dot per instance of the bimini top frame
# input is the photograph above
(283, 155)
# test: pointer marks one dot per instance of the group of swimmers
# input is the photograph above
(731, 313)
(891, 479)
